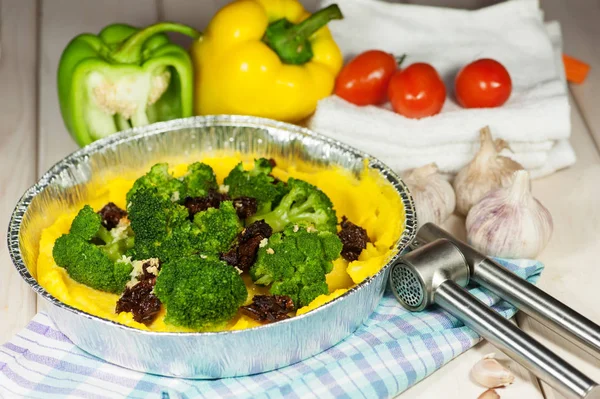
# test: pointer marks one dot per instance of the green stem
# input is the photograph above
(400, 60)
(105, 235)
(130, 51)
(291, 41)
(310, 25)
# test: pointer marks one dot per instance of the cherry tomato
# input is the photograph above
(364, 80)
(417, 91)
(484, 83)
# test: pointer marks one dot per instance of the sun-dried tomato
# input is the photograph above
(269, 308)
(140, 299)
(243, 254)
(111, 214)
(245, 206)
(199, 204)
(354, 239)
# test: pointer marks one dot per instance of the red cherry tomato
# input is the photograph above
(364, 80)
(484, 83)
(417, 91)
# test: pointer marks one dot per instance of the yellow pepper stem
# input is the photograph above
(291, 41)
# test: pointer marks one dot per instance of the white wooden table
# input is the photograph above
(34, 32)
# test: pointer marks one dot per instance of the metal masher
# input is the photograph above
(525, 296)
(437, 272)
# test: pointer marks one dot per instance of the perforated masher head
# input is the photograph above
(416, 276)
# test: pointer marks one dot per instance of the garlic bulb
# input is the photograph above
(509, 222)
(489, 394)
(489, 373)
(487, 171)
(433, 195)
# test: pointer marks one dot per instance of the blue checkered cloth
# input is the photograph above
(391, 351)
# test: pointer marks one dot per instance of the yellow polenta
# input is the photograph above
(368, 201)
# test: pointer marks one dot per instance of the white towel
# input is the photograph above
(535, 121)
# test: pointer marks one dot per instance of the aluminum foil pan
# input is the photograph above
(196, 355)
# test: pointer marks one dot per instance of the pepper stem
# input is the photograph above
(130, 51)
(290, 41)
(310, 25)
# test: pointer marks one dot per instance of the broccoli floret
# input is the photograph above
(255, 183)
(199, 293)
(295, 263)
(88, 225)
(200, 178)
(162, 228)
(304, 203)
(217, 228)
(159, 177)
(91, 254)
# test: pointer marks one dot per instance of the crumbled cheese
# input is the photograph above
(119, 232)
(296, 228)
(223, 189)
(203, 256)
(175, 196)
(154, 264)
(263, 242)
(138, 269)
(240, 271)
(311, 229)
(270, 251)
(135, 272)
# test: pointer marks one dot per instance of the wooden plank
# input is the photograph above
(61, 21)
(311, 5)
(190, 12)
(579, 22)
(18, 71)
(572, 254)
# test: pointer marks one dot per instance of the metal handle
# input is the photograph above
(525, 296)
(515, 343)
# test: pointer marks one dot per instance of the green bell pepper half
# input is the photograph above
(124, 77)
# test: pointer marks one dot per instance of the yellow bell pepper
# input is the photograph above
(266, 58)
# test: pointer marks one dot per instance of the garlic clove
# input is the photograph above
(487, 171)
(433, 195)
(489, 373)
(510, 222)
(489, 394)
